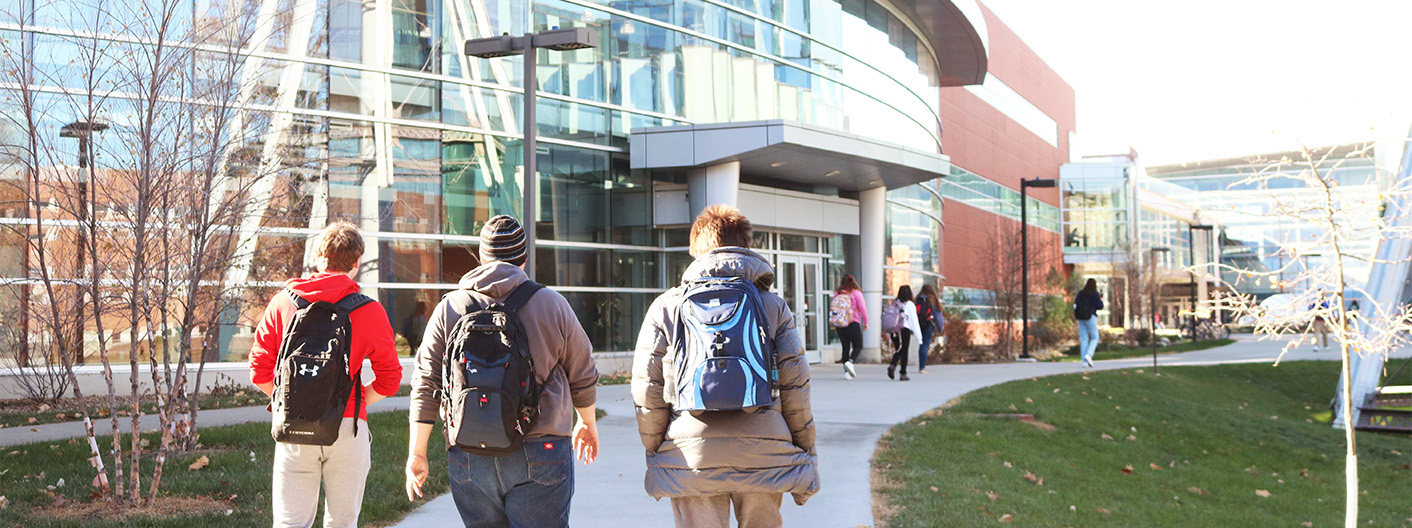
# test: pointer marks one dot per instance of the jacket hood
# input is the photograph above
(327, 287)
(732, 262)
(494, 280)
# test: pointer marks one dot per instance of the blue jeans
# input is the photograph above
(530, 488)
(1088, 337)
(923, 347)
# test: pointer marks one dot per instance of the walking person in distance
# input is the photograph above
(848, 314)
(308, 356)
(1086, 306)
(506, 364)
(718, 432)
(930, 320)
(900, 321)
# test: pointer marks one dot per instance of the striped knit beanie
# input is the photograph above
(502, 239)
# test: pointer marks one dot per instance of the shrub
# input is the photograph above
(1138, 336)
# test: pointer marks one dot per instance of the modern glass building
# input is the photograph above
(1262, 232)
(818, 118)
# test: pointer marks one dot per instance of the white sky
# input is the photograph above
(1200, 79)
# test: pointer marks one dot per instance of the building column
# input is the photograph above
(872, 208)
(717, 184)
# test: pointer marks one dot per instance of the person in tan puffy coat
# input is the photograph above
(707, 462)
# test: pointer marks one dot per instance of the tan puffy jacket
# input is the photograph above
(770, 450)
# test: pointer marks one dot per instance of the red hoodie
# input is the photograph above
(372, 335)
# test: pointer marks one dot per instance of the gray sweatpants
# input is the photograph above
(752, 510)
(343, 469)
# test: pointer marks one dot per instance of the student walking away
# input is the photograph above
(308, 356)
(848, 314)
(721, 386)
(929, 319)
(507, 365)
(415, 325)
(1320, 325)
(900, 322)
(1086, 307)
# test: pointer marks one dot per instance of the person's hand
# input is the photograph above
(417, 471)
(586, 441)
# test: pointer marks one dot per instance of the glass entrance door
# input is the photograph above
(798, 282)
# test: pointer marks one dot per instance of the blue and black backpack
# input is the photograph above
(724, 356)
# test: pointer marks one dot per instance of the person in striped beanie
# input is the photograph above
(534, 486)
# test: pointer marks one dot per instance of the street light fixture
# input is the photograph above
(82, 131)
(1153, 334)
(566, 39)
(1037, 183)
(1191, 257)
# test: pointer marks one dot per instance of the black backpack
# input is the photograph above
(313, 374)
(490, 393)
(1083, 307)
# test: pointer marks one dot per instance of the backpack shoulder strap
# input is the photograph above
(300, 303)
(354, 301)
(521, 295)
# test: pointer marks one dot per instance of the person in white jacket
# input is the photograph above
(902, 339)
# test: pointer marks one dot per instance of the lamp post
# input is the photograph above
(1152, 261)
(1025, 259)
(1191, 230)
(556, 39)
(83, 132)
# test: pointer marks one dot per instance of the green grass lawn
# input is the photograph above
(1123, 351)
(1235, 445)
(239, 474)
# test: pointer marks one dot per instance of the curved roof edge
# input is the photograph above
(957, 33)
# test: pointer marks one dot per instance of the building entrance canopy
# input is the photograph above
(787, 151)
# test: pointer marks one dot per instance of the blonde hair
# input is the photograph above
(719, 225)
(340, 245)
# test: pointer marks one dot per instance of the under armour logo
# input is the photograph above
(309, 370)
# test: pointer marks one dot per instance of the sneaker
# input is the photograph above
(848, 375)
(848, 368)
(892, 372)
(903, 378)
(1088, 363)
(921, 372)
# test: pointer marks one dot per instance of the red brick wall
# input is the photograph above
(985, 141)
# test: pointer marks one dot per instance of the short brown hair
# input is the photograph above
(341, 245)
(719, 225)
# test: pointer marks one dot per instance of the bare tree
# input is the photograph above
(1319, 267)
(1003, 271)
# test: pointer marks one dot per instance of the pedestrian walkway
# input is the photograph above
(851, 416)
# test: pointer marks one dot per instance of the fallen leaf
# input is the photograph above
(1027, 400)
(4, 502)
(1105, 436)
(1262, 493)
(935, 489)
(993, 495)
(1128, 469)
(199, 463)
(1008, 464)
(1197, 490)
(1103, 510)
(32, 420)
(61, 416)
(1155, 467)
(1131, 438)
(1056, 391)
(1013, 407)
(1307, 524)
(1032, 478)
(1006, 518)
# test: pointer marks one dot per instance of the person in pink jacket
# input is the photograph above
(852, 335)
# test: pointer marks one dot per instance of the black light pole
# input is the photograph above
(1025, 259)
(83, 132)
(1153, 337)
(556, 39)
(1191, 257)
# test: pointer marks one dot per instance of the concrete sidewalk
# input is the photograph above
(850, 416)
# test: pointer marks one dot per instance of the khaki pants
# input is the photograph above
(752, 510)
(342, 468)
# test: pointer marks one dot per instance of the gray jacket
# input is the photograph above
(563, 356)
(766, 451)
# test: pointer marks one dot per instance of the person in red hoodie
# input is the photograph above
(343, 466)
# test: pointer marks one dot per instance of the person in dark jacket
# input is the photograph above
(1086, 308)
